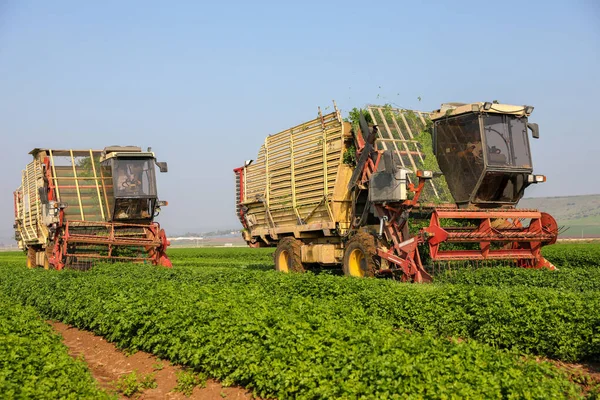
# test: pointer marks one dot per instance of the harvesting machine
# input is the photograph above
(75, 207)
(329, 193)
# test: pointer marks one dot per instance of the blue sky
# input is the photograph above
(204, 82)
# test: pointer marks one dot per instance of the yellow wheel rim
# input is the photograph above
(357, 263)
(283, 261)
(29, 263)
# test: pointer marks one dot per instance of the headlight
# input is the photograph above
(425, 174)
(536, 178)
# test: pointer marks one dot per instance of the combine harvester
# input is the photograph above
(325, 193)
(75, 207)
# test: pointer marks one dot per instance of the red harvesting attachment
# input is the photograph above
(484, 223)
(501, 234)
(83, 242)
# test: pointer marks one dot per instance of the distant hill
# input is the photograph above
(579, 215)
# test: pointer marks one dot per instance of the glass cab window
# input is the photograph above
(485, 158)
(501, 187)
(506, 141)
(130, 187)
(460, 153)
(134, 178)
(133, 209)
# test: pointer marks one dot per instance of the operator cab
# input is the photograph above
(483, 151)
(130, 178)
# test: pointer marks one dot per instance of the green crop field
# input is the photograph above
(482, 333)
(34, 364)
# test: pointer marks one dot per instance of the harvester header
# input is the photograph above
(75, 207)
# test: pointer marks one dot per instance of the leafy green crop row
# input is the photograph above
(34, 364)
(551, 323)
(569, 279)
(306, 336)
(573, 255)
(554, 323)
(222, 256)
(560, 324)
(538, 312)
(578, 255)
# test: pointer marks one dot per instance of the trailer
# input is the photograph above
(77, 207)
(334, 193)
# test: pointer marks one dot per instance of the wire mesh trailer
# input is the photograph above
(75, 207)
(297, 185)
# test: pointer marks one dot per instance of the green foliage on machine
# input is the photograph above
(354, 117)
(349, 156)
(395, 124)
(430, 163)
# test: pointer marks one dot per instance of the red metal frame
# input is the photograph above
(155, 243)
(502, 227)
(404, 251)
(500, 233)
(17, 199)
(240, 176)
(48, 170)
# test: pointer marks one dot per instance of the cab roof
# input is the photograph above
(106, 153)
(451, 109)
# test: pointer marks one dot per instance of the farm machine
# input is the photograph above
(398, 192)
(76, 207)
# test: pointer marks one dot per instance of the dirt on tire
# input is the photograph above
(365, 242)
(292, 247)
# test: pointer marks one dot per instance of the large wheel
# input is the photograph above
(359, 256)
(31, 262)
(47, 255)
(287, 256)
(34, 255)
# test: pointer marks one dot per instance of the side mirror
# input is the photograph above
(162, 166)
(535, 130)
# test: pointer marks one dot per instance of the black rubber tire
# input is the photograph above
(46, 264)
(49, 252)
(359, 256)
(287, 256)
